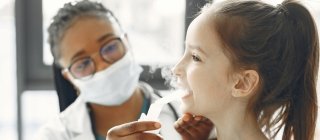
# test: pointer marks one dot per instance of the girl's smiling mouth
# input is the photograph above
(185, 93)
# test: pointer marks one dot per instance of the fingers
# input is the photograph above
(203, 123)
(132, 127)
(141, 136)
(193, 127)
(186, 126)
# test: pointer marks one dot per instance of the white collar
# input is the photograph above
(76, 117)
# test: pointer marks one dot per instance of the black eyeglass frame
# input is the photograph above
(68, 69)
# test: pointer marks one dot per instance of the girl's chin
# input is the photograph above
(186, 108)
(187, 101)
(187, 94)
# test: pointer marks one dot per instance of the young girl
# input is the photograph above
(251, 68)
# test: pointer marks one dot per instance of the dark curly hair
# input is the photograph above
(68, 14)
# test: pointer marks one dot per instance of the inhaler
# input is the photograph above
(156, 107)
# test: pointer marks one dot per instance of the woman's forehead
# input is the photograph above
(84, 33)
(95, 24)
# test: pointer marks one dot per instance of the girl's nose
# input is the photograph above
(177, 70)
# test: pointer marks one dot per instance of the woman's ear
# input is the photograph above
(66, 75)
(246, 83)
(125, 36)
(126, 39)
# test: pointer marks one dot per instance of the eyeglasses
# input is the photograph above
(110, 52)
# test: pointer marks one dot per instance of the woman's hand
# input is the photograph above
(134, 131)
(193, 127)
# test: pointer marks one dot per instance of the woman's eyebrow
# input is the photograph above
(81, 52)
(100, 39)
(105, 36)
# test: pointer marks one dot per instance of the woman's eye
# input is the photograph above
(83, 65)
(196, 58)
(110, 48)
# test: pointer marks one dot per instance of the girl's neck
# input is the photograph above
(106, 117)
(237, 124)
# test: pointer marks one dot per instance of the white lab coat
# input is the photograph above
(74, 123)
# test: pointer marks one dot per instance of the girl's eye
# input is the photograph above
(196, 58)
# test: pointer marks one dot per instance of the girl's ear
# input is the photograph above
(245, 84)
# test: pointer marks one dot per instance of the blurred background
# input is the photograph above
(27, 98)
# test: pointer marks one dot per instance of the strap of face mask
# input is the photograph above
(156, 92)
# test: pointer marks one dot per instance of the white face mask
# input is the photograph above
(113, 85)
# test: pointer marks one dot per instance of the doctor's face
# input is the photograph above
(204, 70)
(91, 45)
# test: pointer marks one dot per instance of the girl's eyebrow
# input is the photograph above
(196, 47)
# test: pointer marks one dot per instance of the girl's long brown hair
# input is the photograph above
(281, 44)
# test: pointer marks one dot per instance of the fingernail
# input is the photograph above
(175, 125)
(157, 125)
(197, 118)
(160, 137)
(180, 122)
(186, 118)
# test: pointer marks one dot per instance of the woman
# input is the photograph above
(93, 51)
(251, 68)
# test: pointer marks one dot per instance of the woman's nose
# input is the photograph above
(100, 63)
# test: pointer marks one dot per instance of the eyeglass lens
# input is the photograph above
(110, 52)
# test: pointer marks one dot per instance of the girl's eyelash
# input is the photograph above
(195, 58)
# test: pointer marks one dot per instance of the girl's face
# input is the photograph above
(84, 38)
(203, 70)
